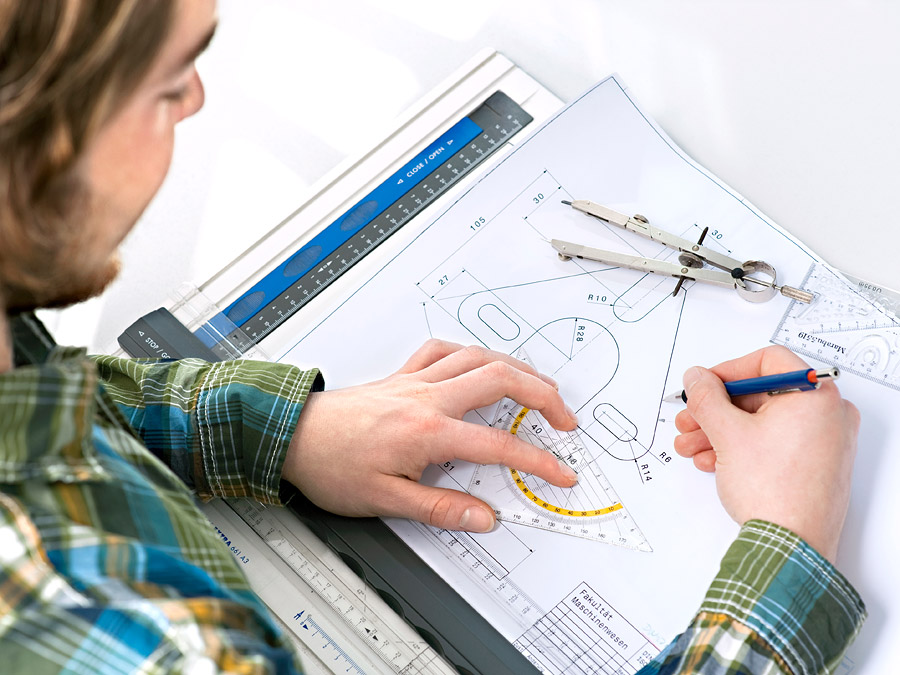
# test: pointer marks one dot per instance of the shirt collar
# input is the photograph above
(47, 409)
(32, 343)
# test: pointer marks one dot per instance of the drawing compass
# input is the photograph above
(754, 280)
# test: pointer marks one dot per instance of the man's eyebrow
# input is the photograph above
(197, 50)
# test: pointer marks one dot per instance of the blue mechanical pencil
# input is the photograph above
(799, 380)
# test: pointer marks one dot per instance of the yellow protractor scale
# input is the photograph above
(590, 509)
(538, 501)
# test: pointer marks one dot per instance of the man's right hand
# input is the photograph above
(787, 459)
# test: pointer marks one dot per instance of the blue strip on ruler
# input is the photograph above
(336, 234)
(215, 329)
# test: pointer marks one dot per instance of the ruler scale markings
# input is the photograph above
(496, 121)
(455, 547)
(338, 262)
(850, 324)
(293, 605)
(236, 330)
(590, 510)
(401, 655)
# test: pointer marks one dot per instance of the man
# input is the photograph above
(107, 565)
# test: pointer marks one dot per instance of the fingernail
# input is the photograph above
(691, 377)
(477, 519)
(549, 380)
(572, 414)
(568, 471)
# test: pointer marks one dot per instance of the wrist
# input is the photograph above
(822, 539)
(307, 440)
(820, 528)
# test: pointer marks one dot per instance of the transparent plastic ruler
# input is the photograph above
(851, 324)
(334, 615)
(590, 510)
(480, 566)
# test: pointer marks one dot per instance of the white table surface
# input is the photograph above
(794, 103)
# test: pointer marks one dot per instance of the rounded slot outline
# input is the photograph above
(629, 436)
(500, 313)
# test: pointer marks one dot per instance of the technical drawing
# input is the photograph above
(484, 272)
(597, 638)
(602, 320)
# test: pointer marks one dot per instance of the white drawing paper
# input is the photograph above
(617, 341)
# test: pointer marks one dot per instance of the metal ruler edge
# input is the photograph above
(342, 605)
(343, 243)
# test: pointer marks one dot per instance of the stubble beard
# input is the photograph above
(66, 268)
(84, 286)
(63, 292)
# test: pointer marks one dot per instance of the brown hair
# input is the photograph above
(65, 67)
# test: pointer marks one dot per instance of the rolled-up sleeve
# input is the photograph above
(224, 428)
(775, 607)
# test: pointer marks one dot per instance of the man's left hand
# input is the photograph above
(361, 451)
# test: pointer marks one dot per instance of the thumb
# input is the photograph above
(443, 508)
(707, 401)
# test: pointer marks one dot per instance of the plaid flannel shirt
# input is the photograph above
(776, 606)
(106, 564)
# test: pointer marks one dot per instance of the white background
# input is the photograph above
(794, 103)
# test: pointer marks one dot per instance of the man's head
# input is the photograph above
(90, 93)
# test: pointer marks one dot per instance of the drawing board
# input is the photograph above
(483, 272)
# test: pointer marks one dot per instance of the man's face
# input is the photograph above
(124, 165)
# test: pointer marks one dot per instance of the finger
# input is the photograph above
(685, 423)
(692, 443)
(497, 380)
(429, 353)
(709, 404)
(706, 461)
(767, 361)
(751, 403)
(473, 357)
(486, 445)
(852, 416)
(438, 507)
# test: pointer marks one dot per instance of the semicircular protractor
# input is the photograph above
(589, 510)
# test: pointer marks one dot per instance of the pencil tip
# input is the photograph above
(675, 397)
(566, 202)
